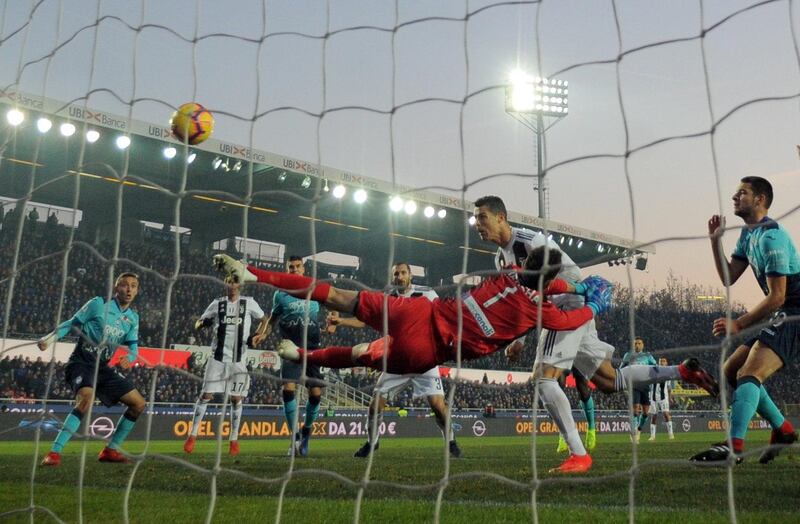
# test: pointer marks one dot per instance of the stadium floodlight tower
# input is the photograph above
(539, 103)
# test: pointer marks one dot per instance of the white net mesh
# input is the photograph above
(669, 106)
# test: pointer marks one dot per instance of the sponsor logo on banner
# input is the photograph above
(102, 427)
(686, 425)
(479, 428)
(97, 117)
(241, 151)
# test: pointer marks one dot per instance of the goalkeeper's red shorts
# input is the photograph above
(414, 343)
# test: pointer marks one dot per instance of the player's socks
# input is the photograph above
(70, 427)
(588, 410)
(312, 410)
(769, 411)
(290, 409)
(236, 419)
(652, 431)
(557, 405)
(199, 412)
(644, 375)
(124, 427)
(745, 403)
(670, 431)
(642, 421)
(296, 285)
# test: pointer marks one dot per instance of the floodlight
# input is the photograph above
(123, 141)
(92, 136)
(67, 129)
(170, 152)
(429, 211)
(191, 157)
(15, 117)
(305, 184)
(360, 196)
(44, 125)
(442, 213)
(396, 204)
(216, 162)
(410, 207)
(339, 191)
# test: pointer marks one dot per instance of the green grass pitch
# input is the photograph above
(166, 491)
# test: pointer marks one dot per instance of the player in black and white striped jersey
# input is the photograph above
(660, 394)
(428, 384)
(230, 318)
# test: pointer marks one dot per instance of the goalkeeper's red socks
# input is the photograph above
(295, 285)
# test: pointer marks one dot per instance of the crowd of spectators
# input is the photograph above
(671, 319)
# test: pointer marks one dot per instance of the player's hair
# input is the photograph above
(292, 258)
(638, 338)
(408, 266)
(126, 274)
(761, 187)
(539, 258)
(494, 203)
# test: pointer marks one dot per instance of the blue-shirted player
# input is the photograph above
(641, 395)
(102, 327)
(290, 314)
(767, 248)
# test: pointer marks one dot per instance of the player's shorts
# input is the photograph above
(425, 385)
(781, 336)
(293, 371)
(580, 348)
(414, 344)
(641, 396)
(111, 384)
(232, 377)
(659, 406)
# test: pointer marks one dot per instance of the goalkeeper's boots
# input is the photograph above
(188, 446)
(52, 459)
(717, 453)
(232, 267)
(366, 449)
(234, 449)
(574, 464)
(305, 436)
(591, 439)
(562, 445)
(777, 441)
(294, 447)
(455, 451)
(691, 372)
(287, 350)
(112, 455)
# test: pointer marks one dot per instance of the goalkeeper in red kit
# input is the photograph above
(424, 333)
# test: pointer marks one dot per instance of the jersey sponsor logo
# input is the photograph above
(479, 316)
(232, 320)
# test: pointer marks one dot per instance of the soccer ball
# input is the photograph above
(192, 123)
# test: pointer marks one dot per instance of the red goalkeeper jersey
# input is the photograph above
(499, 311)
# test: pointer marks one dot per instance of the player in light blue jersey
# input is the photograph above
(768, 249)
(289, 314)
(641, 396)
(101, 327)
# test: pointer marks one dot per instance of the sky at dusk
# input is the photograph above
(625, 93)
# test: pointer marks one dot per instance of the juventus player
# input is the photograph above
(659, 403)
(427, 384)
(226, 372)
(579, 347)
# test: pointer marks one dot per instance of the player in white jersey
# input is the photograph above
(659, 403)
(562, 350)
(428, 384)
(230, 318)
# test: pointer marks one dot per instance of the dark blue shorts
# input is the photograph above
(781, 335)
(111, 385)
(641, 396)
(292, 371)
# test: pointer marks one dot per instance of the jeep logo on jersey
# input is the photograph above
(233, 320)
(102, 427)
(479, 428)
